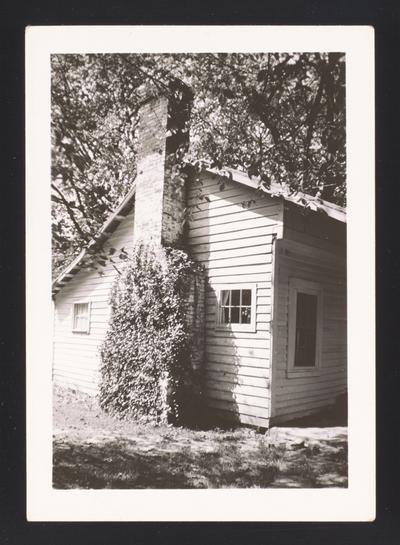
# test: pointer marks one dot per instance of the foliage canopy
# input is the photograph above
(278, 116)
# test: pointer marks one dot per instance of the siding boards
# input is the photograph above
(253, 232)
(232, 214)
(231, 227)
(234, 398)
(234, 244)
(299, 255)
(215, 333)
(235, 351)
(311, 227)
(247, 342)
(245, 365)
(76, 355)
(242, 246)
(222, 257)
(234, 378)
(235, 388)
(239, 412)
(224, 204)
(241, 279)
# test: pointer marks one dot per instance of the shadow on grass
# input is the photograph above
(121, 465)
(93, 450)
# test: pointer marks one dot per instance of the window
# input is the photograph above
(306, 330)
(81, 317)
(236, 307)
(305, 326)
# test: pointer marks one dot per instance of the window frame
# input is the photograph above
(74, 306)
(297, 285)
(251, 327)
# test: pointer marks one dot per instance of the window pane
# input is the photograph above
(306, 310)
(81, 316)
(235, 298)
(81, 309)
(235, 315)
(235, 306)
(225, 315)
(81, 322)
(305, 348)
(306, 330)
(78, 322)
(246, 297)
(225, 297)
(245, 314)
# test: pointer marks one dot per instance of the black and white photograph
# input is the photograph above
(199, 270)
(199, 254)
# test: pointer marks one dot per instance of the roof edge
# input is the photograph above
(301, 199)
(69, 270)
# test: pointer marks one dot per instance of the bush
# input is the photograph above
(146, 355)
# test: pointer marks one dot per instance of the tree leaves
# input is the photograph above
(262, 75)
(278, 117)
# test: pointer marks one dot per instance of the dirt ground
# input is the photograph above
(94, 450)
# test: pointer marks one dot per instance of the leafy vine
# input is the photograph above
(146, 370)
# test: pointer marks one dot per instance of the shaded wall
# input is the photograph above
(313, 249)
(235, 246)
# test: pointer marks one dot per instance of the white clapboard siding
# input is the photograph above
(234, 244)
(250, 232)
(244, 223)
(247, 342)
(238, 365)
(233, 193)
(300, 395)
(234, 214)
(242, 246)
(222, 256)
(236, 378)
(76, 355)
(236, 388)
(239, 410)
(220, 334)
(235, 351)
(226, 202)
(238, 279)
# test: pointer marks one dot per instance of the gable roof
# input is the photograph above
(123, 208)
(106, 230)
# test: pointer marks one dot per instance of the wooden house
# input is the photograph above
(275, 296)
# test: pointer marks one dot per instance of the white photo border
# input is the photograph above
(357, 502)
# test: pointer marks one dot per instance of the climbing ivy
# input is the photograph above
(146, 370)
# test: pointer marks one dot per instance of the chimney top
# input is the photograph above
(163, 137)
(175, 89)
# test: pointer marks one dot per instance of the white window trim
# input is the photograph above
(236, 327)
(83, 302)
(313, 288)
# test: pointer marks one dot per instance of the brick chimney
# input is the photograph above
(160, 203)
(160, 195)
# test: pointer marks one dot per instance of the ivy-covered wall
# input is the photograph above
(152, 354)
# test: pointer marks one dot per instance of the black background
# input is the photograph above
(14, 17)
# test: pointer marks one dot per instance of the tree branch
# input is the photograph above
(69, 210)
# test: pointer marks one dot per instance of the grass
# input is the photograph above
(93, 450)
